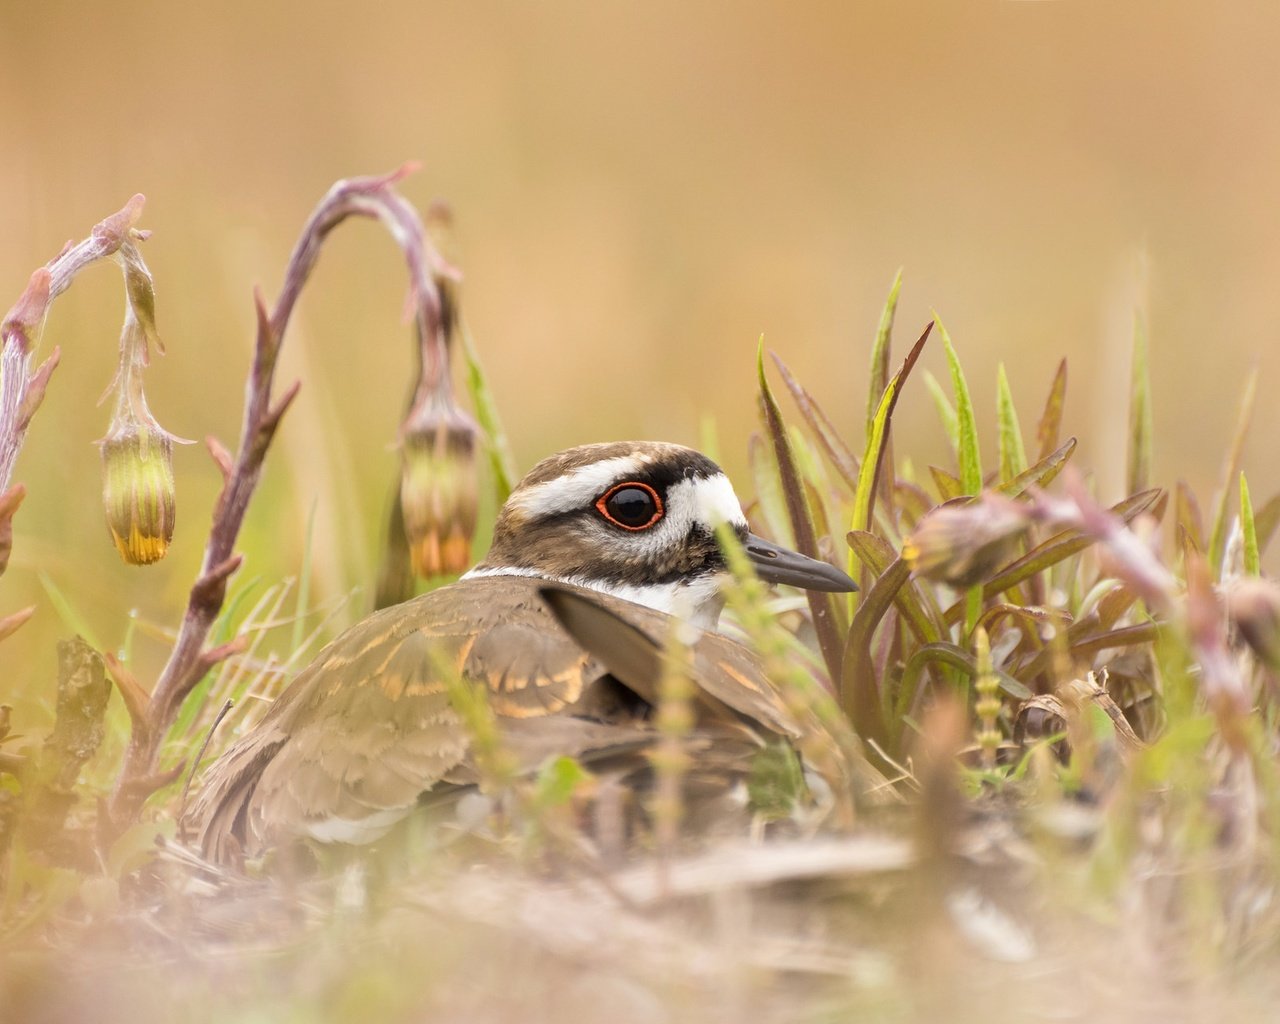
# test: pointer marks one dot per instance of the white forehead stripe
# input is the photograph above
(577, 488)
(712, 499)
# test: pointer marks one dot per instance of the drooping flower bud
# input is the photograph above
(137, 489)
(438, 490)
(964, 544)
(438, 478)
(137, 453)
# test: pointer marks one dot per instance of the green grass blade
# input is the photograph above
(1013, 455)
(223, 628)
(877, 437)
(1140, 420)
(1051, 419)
(1218, 534)
(821, 605)
(879, 381)
(966, 423)
(880, 351)
(500, 458)
(969, 456)
(946, 411)
(70, 615)
(1252, 559)
(300, 609)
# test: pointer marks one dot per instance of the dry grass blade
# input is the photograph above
(737, 866)
(1051, 419)
(1043, 473)
(1187, 514)
(1083, 643)
(821, 605)
(1031, 619)
(837, 453)
(953, 656)
(859, 688)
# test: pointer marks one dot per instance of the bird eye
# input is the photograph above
(631, 505)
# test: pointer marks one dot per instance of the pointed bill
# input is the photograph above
(776, 564)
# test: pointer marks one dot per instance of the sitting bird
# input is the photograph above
(597, 552)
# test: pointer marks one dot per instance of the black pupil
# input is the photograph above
(631, 506)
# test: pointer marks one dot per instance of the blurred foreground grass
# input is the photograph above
(1069, 710)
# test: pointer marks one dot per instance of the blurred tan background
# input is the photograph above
(640, 191)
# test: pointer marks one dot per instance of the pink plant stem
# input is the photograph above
(190, 660)
(21, 390)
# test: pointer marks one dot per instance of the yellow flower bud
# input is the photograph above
(438, 492)
(138, 491)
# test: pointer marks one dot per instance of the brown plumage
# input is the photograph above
(368, 729)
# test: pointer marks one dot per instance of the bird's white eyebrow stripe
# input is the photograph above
(714, 501)
(576, 488)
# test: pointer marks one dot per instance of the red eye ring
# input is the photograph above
(615, 515)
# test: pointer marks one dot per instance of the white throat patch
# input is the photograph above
(696, 601)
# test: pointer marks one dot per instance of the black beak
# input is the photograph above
(776, 564)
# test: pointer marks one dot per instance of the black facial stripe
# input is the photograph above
(686, 466)
(661, 476)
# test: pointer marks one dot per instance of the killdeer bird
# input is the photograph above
(562, 625)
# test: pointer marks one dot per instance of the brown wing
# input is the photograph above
(368, 727)
(628, 639)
